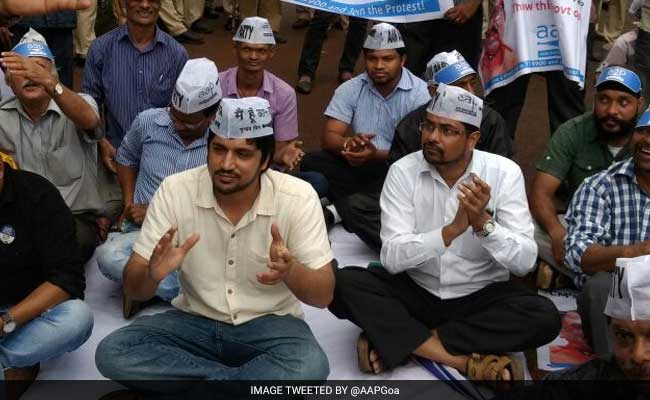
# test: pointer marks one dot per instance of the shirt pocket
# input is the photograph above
(585, 167)
(257, 263)
(64, 167)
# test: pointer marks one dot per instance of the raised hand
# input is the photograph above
(281, 260)
(474, 197)
(166, 257)
(39, 7)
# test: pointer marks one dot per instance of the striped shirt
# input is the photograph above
(359, 104)
(153, 147)
(125, 81)
(609, 209)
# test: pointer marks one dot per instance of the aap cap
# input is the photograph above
(447, 68)
(458, 104)
(197, 87)
(622, 76)
(629, 295)
(246, 118)
(255, 30)
(33, 44)
(384, 36)
(644, 120)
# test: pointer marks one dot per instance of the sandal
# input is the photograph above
(363, 354)
(489, 368)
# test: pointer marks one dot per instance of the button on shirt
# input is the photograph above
(218, 276)
(126, 81)
(54, 148)
(280, 96)
(37, 239)
(358, 103)
(576, 152)
(152, 146)
(416, 204)
(609, 209)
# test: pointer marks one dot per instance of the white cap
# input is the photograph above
(629, 295)
(33, 44)
(458, 104)
(447, 68)
(246, 118)
(197, 87)
(384, 36)
(255, 30)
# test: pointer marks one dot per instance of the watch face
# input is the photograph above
(58, 89)
(9, 327)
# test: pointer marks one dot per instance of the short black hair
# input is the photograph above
(265, 143)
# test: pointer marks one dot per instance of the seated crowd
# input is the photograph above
(220, 212)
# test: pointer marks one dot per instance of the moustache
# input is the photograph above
(226, 173)
(432, 147)
(29, 84)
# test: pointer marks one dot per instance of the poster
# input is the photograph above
(527, 36)
(393, 11)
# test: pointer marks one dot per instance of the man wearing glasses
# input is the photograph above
(454, 225)
(161, 142)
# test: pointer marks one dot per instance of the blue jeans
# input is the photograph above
(113, 255)
(177, 347)
(316, 180)
(57, 331)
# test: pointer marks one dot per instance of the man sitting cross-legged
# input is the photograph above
(455, 225)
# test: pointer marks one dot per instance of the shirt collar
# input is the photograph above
(124, 33)
(15, 104)
(625, 168)
(264, 204)
(163, 120)
(231, 83)
(474, 166)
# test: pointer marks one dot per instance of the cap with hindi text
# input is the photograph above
(629, 294)
(384, 36)
(197, 86)
(457, 104)
(447, 68)
(245, 118)
(33, 44)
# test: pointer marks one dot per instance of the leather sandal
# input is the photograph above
(489, 369)
(363, 354)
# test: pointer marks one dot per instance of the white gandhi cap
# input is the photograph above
(384, 36)
(457, 104)
(629, 295)
(255, 30)
(246, 118)
(197, 87)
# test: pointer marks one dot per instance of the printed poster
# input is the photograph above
(526, 36)
(394, 11)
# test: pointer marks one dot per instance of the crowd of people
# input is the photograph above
(216, 208)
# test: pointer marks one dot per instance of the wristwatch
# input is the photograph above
(9, 324)
(488, 227)
(58, 89)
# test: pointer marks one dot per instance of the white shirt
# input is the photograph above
(218, 276)
(416, 204)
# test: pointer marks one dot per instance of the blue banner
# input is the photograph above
(395, 11)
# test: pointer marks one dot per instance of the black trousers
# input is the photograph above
(426, 39)
(361, 215)
(398, 315)
(60, 42)
(315, 37)
(565, 100)
(342, 178)
(87, 234)
(642, 61)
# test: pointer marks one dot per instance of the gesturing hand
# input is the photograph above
(107, 154)
(293, 155)
(29, 69)
(281, 260)
(39, 7)
(166, 257)
(474, 197)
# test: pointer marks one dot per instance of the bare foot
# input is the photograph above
(375, 361)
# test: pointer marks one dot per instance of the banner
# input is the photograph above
(395, 11)
(527, 36)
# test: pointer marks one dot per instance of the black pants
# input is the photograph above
(426, 39)
(315, 37)
(565, 100)
(342, 178)
(86, 234)
(60, 42)
(361, 215)
(398, 315)
(642, 61)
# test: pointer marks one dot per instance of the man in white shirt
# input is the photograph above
(246, 257)
(454, 225)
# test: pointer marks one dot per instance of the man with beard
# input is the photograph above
(581, 147)
(52, 131)
(246, 256)
(160, 143)
(370, 105)
(254, 47)
(454, 225)
(609, 218)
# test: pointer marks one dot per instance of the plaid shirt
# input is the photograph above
(609, 209)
